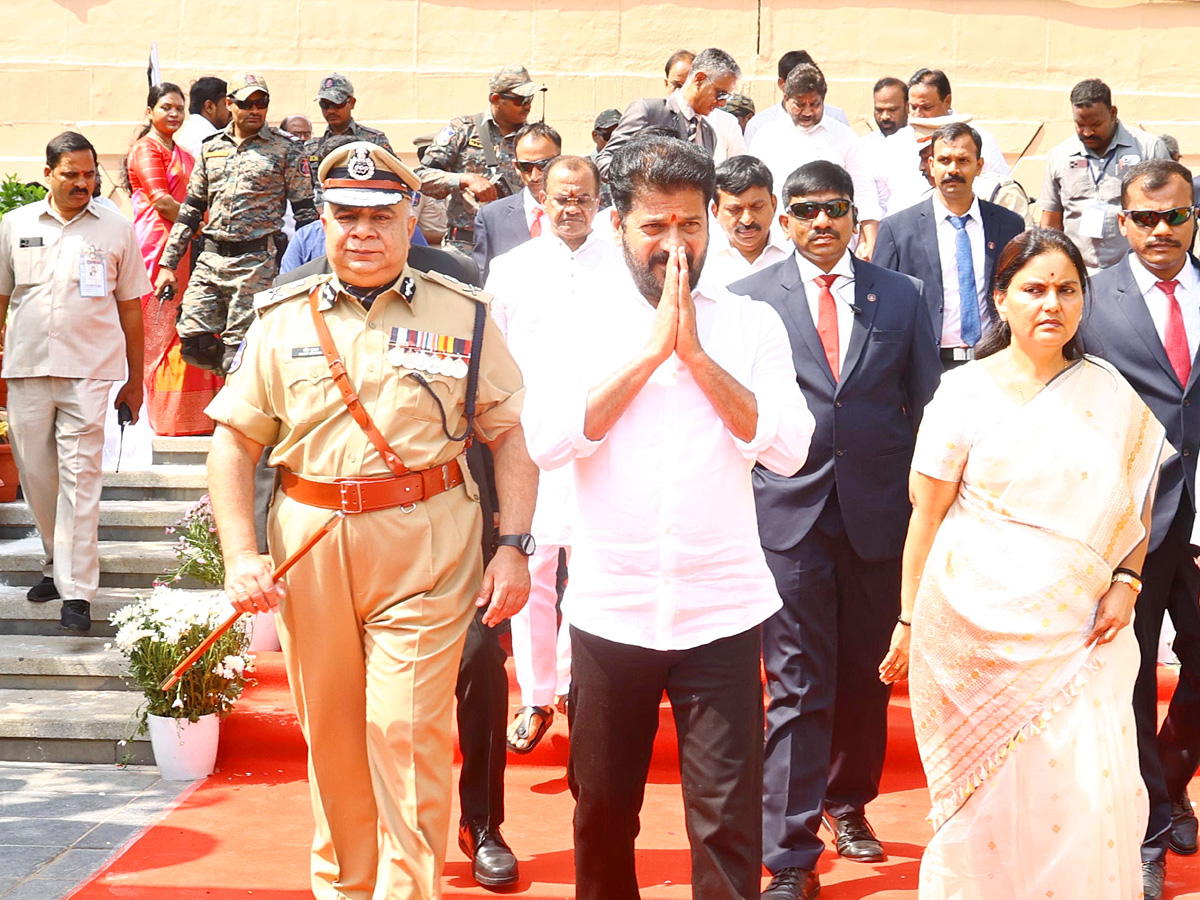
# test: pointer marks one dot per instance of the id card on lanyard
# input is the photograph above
(1095, 215)
(93, 273)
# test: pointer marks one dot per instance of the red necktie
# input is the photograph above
(1175, 340)
(535, 230)
(827, 326)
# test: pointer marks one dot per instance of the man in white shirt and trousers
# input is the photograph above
(535, 290)
(665, 398)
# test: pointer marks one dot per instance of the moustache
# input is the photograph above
(1162, 242)
(754, 226)
(953, 179)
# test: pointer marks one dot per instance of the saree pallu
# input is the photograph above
(176, 393)
(1012, 709)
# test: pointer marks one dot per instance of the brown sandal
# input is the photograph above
(523, 729)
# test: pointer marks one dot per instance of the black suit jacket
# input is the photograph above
(907, 242)
(499, 227)
(866, 423)
(424, 259)
(1118, 328)
(654, 112)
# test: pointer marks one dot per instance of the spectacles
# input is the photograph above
(253, 104)
(528, 165)
(329, 104)
(722, 96)
(517, 98)
(581, 201)
(810, 209)
(1149, 218)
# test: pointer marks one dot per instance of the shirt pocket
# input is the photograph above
(439, 396)
(33, 265)
(311, 395)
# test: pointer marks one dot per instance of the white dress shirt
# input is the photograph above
(843, 295)
(666, 552)
(1187, 292)
(776, 111)
(192, 132)
(730, 141)
(784, 147)
(534, 287)
(947, 237)
(725, 263)
(531, 211)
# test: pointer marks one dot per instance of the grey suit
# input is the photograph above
(653, 113)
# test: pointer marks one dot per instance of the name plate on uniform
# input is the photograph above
(426, 351)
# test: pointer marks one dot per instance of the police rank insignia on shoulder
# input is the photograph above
(264, 300)
(425, 351)
(454, 284)
(360, 166)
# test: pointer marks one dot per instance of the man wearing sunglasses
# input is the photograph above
(511, 221)
(1145, 320)
(867, 363)
(336, 98)
(245, 177)
(470, 159)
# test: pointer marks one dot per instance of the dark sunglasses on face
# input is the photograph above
(810, 209)
(528, 165)
(722, 96)
(261, 103)
(1149, 218)
(329, 104)
(517, 98)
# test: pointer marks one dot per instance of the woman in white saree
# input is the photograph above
(1030, 485)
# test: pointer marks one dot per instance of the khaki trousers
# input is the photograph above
(57, 433)
(372, 632)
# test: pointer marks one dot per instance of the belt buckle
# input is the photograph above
(351, 499)
(446, 477)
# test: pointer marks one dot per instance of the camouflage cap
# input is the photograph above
(424, 140)
(335, 88)
(365, 174)
(243, 84)
(607, 119)
(739, 105)
(513, 79)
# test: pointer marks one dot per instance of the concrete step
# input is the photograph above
(63, 662)
(122, 563)
(181, 450)
(19, 616)
(120, 520)
(173, 482)
(71, 726)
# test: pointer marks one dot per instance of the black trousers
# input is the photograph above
(827, 713)
(716, 699)
(1169, 756)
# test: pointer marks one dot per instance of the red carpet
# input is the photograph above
(245, 832)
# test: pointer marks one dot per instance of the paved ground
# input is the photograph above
(60, 822)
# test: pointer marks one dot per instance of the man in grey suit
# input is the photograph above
(867, 363)
(1145, 320)
(951, 241)
(511, 221)
(713, 78)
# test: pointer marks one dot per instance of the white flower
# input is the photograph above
(178, 704)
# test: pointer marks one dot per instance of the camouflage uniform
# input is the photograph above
(245, 188)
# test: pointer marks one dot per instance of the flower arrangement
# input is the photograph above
(158, 631)
(197, 548)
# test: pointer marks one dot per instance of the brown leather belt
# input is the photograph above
(355, 495)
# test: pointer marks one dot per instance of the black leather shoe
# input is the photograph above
(42, 591)
(854, 837)
(793, 884)
(1181, 837)
(76, 615)
(1153, 876)
(493, 862)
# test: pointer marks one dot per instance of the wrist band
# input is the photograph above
(900, 619)
(1137, 575)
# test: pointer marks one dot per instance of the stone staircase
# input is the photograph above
(63, 697)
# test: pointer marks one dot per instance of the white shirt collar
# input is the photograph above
(1146, 279)
(684, 106)
(809, 270)
(941, 211)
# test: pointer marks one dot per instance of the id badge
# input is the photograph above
(1091, 221)
(93, 274)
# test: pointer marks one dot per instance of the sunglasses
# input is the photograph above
(810, 209)
(1149, 218)
(581, 201)
(329, 104)
(518, 99)
(528, 165)
(722, 96)
(253, 104)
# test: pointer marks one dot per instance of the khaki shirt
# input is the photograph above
(281, 392)
(53, 330)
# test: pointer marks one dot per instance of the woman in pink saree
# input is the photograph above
(1031, 478)
(158, 172)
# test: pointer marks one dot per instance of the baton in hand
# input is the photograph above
(190, 659)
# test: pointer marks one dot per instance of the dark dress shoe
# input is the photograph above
(42, 591)
(854, 837)
(1153, 876)
(76, 615)
(793, 884)
(1181, 837)
(493, 862)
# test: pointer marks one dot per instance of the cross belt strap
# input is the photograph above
(349, 395)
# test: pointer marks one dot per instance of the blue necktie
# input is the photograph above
(968, 300)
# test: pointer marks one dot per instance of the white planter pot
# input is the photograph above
(263, 635)
(183, 750)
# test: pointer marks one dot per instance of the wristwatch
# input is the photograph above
(1126, 577)
(524, 543)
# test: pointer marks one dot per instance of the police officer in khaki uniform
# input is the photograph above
(245, 176)
(373, 618)
(470, 160)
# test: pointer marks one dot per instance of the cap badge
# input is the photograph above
(360, 165)
(328, 83)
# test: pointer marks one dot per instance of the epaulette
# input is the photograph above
(264, 300)
(286, 134)
(209, 137)
(459, 287)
